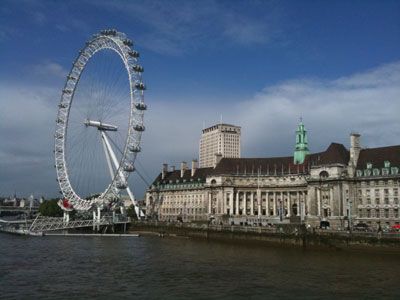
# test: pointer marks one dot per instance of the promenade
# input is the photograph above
(282, 235)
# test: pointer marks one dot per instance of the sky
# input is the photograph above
(260, 64)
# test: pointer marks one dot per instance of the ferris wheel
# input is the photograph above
(99, 124)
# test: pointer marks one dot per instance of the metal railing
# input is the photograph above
(43, 224)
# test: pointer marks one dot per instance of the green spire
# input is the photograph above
(301, 149)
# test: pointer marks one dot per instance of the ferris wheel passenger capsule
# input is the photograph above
(138, 127)
(140, 86)
(138, 68)
(134, 148)
(128, 42)
(121, 184)
(67, 91)
(133, 53)
(128, 167)
(140, 106)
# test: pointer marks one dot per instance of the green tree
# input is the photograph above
(50, 208)
(131, 212)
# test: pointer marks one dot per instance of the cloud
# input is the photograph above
(245, 31)
(27, 116)
(366, 102)
(49, 69)
(173, 27)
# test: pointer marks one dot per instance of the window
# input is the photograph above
(369, 165)
(385, 171)
(375, 172)
(387, 164)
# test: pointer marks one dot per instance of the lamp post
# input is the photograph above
(350, 221)
(301, 211)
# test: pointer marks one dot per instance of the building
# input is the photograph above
(338, 185)
(222, 140)
(179, 194)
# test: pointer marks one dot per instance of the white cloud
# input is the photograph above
(49, 69)
(367, 102)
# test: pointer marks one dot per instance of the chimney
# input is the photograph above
(194, 167)
(218, 157)
(355, 148)
(183, 168)
(164, 171)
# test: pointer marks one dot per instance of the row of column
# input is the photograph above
(279, 202)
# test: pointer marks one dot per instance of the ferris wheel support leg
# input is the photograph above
(110, 167)
(66, 217)
(110, 153)
(138, 212)
(98, 218)
(94, 220)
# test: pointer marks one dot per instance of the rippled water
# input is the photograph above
(154, 268)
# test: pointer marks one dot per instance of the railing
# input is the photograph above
(42, 224)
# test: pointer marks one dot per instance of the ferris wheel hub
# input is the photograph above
(100, 126)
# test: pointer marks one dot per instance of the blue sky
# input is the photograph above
(261, 64)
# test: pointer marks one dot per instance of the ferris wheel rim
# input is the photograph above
(118, 42)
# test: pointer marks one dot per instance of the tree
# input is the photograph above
(131, 212)
(50, 208)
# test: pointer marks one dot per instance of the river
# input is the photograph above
(57, 267)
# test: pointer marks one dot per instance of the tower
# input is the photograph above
(301, 149)
(222, 140)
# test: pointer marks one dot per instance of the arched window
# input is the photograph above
(323, 174)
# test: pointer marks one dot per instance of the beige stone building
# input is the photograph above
(336, 185)
(220, 139)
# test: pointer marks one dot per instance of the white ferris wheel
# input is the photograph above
(99, 124)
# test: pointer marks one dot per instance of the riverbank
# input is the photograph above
(284, 235)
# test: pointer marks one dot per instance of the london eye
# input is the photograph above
(99, 124)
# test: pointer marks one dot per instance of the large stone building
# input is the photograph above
(336, 185)
(218, 140)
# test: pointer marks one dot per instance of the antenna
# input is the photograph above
(221, 119)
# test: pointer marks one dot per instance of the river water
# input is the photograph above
(56, 267)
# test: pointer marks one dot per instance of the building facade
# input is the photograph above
(338, 185)
(222, 140)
